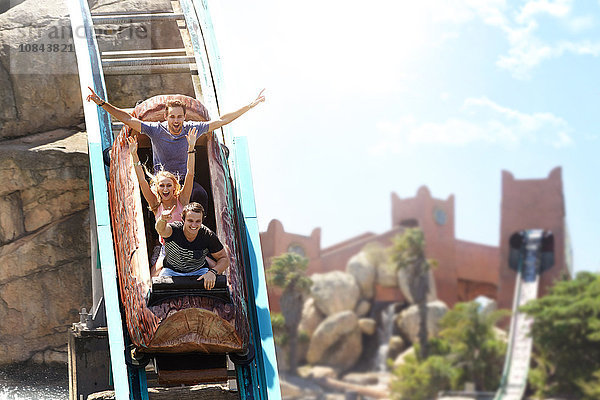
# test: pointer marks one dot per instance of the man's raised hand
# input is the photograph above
(94, 97)
(259, 99)
(166, 214)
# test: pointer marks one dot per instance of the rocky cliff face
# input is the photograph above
(44, 243)
(39, 86)
(44, 218)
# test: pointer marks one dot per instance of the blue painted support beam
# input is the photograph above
(259, 313)
(98, 131)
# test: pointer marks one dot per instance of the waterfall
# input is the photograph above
(384, 333)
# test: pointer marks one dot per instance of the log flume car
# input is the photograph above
(176, 315)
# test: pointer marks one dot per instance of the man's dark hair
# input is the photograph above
(174, 103)
(193, 207)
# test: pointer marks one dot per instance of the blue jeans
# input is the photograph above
(169, 272)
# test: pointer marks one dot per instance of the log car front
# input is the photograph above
(162, 317)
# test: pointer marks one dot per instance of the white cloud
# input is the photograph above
(483, 121)
(580, 24)
(531, 9)
(527, 54)
(528, 47)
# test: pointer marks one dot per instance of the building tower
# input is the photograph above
(532, 204)
(436, 218)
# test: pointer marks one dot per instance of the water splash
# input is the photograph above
(33, 382)
(384, 333)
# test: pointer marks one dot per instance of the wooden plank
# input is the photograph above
(143, 53)
(152, 69)
(138, 61)
(97, 125)
(134, 17)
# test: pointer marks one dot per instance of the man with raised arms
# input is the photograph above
(168, 138)
(187, 245)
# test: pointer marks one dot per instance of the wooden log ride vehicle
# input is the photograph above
(176, 315)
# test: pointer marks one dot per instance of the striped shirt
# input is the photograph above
(185, 256)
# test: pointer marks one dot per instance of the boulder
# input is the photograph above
(401, 359)
(364, 272)
(337, 342)
(39, 89)
(396, 345)
(363, 308)
(386, 275)
(362, 378)
(45, 275)
(311, 317)
(317, 372)
(488, 305)
(290, 391)
(334, 292)
(408, 320)
(368, 326)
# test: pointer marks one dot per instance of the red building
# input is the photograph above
(465, 270)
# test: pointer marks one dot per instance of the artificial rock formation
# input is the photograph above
(408, 320)
(44, 199)
(334, 292)
(368, 326)
(311, 317)
(336, 342)
(39, 90)
(387, 275)
(364, 272)
(44, 243)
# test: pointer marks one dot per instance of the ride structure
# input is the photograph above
(233, 209)
(531, 253)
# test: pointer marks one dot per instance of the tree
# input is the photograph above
(408, 252)
(466, 349)
(591, 389)
(566, 337)
(473, 345)
(422, 379)
(288, 271)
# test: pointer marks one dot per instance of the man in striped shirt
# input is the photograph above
(188, 243)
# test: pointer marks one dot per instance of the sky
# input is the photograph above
(369, 98)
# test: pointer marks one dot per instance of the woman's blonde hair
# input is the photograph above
(155, 178)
